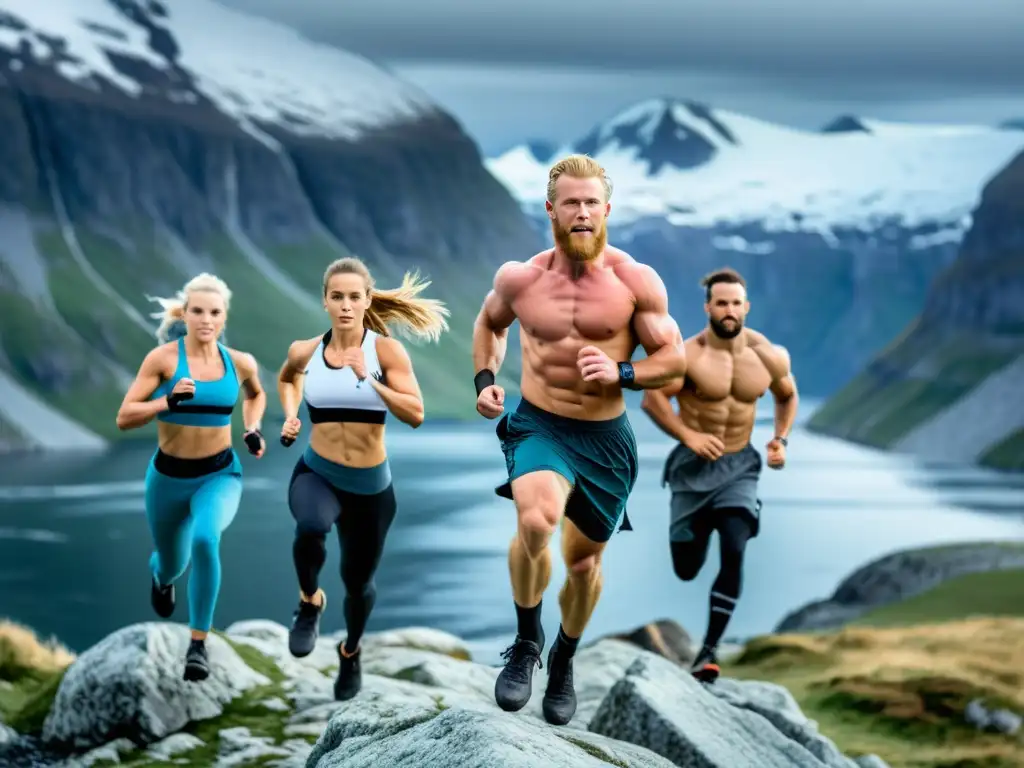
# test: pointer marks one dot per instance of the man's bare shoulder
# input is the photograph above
(513, 276)
(642, 280)
(775, 356)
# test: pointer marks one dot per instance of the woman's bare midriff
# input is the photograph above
(185, 442)
(352, 445)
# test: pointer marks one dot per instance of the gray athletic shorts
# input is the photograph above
(700, 486)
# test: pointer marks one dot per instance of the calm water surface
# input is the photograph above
(74, 543)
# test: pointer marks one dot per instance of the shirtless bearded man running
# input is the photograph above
(583, 308)
(713, 473)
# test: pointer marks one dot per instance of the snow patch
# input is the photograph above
(788, 179)
(40, 425)
(21, 258)
(252, 69)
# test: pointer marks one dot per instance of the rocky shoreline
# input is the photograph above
(899, 576)
(424, 703)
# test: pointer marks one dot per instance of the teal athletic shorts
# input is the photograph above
(599, 459)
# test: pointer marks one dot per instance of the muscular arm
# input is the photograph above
(656, 331)
(137, 410)
(657, 404)
(292, 374)
(402, 393)
(255, 403)
(783, 389)
(490, 331)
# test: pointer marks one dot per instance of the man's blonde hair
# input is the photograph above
(578, 167)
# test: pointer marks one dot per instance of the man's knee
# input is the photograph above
(537, 524)
(687, 559)
(734, 532)
(583, 568)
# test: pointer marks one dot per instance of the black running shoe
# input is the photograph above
(705, 667)
(350, 676)
(197, 665)
(514, 686)
(162, 599)
(305, 627)
(559, 703)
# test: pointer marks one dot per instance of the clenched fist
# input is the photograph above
(595, 365)
(491, 401)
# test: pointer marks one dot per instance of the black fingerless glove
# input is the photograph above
(287, 441)
(253, 441)
(175, 398)
(627, 377)
(483, 380)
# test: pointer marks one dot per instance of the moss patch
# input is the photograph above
(900, 692)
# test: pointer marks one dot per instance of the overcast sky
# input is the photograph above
(550, 70)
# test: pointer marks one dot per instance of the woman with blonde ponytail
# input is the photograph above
(350, 379)
(189, 384)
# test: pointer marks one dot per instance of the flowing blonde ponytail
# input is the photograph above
(401, 309)
(172, 314)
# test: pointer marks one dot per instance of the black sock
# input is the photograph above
(528, 620)
(721, 607)
(566, 645)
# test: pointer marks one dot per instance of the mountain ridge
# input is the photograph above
(110, 195)
(948, 387)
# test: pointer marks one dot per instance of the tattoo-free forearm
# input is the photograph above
(405, 407)
(658, 369)
(785, 414)
(135, 415)
(253, 408)
(489, 345)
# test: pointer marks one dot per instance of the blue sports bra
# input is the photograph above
(213, 401)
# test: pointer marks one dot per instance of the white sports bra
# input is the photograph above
(336, 395)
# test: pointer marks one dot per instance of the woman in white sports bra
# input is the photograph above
(350, 379)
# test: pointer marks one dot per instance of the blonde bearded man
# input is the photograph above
(583, 309)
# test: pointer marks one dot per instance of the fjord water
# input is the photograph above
(74, 543)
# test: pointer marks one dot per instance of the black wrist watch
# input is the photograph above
(784, 441)
(627, 378)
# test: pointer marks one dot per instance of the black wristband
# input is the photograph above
(627, 378)
(782, 440)
(176, 397)
(483, 380)
(252, 439)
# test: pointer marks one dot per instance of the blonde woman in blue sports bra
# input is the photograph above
(350, 378)
(194, 481)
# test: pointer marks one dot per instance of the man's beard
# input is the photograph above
(730, 331)
(581, 248)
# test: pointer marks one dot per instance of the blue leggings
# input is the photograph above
(186, 516)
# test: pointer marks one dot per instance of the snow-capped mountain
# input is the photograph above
(697, 166)
(191, 51)
(838, 231)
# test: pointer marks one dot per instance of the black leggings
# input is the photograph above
(363, 523)
(735, 528)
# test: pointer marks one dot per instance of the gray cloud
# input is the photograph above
(956, 43)
(501, 105)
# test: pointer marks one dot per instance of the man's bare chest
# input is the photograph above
(717, 376)
(555, 309)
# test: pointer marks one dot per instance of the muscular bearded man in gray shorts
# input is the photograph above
(713, 473)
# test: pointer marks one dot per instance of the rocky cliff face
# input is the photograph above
(950, 386)
(143, 144)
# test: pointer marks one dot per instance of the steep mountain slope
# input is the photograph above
(951, 387)
(144, 143)
(839, 232)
